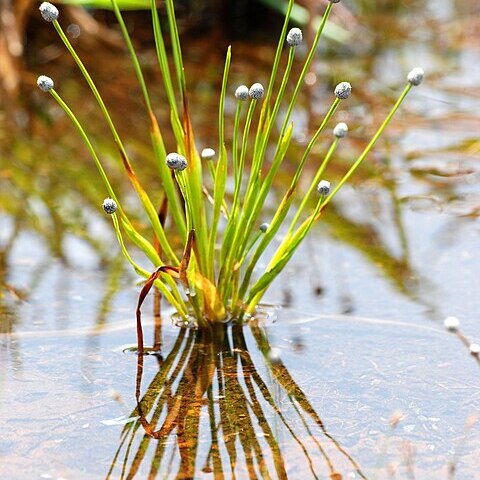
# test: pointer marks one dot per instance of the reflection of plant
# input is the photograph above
(209, 383)
(218, 281)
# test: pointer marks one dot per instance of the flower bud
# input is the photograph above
(474, 349)
(207, 153)
(109, 205)
(294, 37)
(451, 324)
(177, 162)
(343, 90)
(256, 91)
(48, 11)
(274, 355)
(340, 130)
(416, 76)
(45, 84)
(323, 187)
(241, 93)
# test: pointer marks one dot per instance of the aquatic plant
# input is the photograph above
(222, 237)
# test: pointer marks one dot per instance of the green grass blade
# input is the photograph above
(165, 70)
(221, 170)
(370, 145)
(144, 273)
(146, 202)
(177, 50)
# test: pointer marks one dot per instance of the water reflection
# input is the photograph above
(209, 407)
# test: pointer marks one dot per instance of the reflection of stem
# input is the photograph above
(397, 218)
(213, 454)
(200, 365)
(148, 400)
(266, 393)
(228, 436)
(312, 436)
(157, 332)
(463, 338)
(293, 390)
(250, 372)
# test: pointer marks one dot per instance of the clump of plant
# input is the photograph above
(213, 276)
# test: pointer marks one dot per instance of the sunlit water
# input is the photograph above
(360, 337)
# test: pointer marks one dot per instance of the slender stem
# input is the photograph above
(276, 63)
(231, 229)
(265, 135)
(249, 214)
(139, 240)
(148, 206)
(144, 273)
(282, 211)
(164, 68)
(313, 185)
(177, 51)
(156, 136)
(221, 170)
(290, 244)
(238, 112)
(231, 232)
(133, 55)
(370, 145)
(243, 152)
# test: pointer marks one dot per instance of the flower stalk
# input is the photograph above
(212, 278)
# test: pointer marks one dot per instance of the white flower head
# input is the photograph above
(474, 349)
(294, 37)
(256, 91)
(274, 355)
(451, 323)
(340, 130)
(177, 162)
(323, 187)
(48, 11)
(110, 206)
(264, 227)
(44, 83)
(208, 153)
(343, 90)
(241, 93)
(415, 77)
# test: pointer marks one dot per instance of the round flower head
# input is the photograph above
(241, 93)
(323, 187)
(48, 11)
(343, 90)
(45, 84)
(451, 323)
(208, 153)
(109, 205)
(256, 91)
(340, 130)
(177, 162)
(334, 1)
(274, 355)
(474, 348)
(416, 76)
(264, 227)
(294, 37)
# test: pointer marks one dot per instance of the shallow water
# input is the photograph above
(360, 336)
